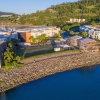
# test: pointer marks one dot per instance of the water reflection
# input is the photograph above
(78, 84)
(3, 96)
(87, 70)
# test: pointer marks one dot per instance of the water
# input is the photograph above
(79, 84)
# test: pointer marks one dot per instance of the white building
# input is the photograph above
(92, 31)
(36, 31)
(73, 20)
(8, 35)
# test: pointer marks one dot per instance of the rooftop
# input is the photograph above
(86, 40)
(76, 37)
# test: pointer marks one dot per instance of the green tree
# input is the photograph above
(72, 33)
(33, 40)
(93, 23)
(84, 34)
(10, 58)
(77, 33)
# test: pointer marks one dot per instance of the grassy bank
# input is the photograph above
(32, 52)
(51, 53)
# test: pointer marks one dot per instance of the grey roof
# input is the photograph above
(86, 40)
(76, 37)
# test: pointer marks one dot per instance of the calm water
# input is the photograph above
(80, 84)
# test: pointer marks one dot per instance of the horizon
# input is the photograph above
(28, 6)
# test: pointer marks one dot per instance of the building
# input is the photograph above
(5, 36)
(73, 41)
(73, 20)
(8, 35)
(65, 47)
(88, 45)
(93, 32)
(52, 10)
(24, 34)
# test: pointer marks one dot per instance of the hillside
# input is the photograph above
(59, 14)
(5, 13)
(8, 19)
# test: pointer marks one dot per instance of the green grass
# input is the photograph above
(10, 66)
(7, 67)
(34, 51)
(31, 52)
(19, 65)
(51, 53)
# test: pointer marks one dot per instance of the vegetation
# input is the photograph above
(59, 14)
(57, 36)
(67, 27)
(93, 23)
(6, 13)
(72, 33)
(34, 51)
(10, 58)
(9, 20)
(84, 34)
(50, 53)
(40, 38)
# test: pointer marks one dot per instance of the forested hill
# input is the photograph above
(59, 14)
(5, 13)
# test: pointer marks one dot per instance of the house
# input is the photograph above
(65, 47)
(88, 45)
(73, 41)
(73, 20)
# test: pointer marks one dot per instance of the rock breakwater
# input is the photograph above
(44, 66)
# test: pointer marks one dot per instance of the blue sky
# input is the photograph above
(28, 6)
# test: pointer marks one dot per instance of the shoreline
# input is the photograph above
(45, 66)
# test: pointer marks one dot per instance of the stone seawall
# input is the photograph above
(46, 65)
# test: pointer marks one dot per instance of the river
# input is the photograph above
(78, 84)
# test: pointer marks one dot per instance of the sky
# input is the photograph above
(28, 6)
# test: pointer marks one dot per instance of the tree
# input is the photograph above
(72, 33)
(66, 28)
(10, 58)
(84, 34)
(77, 33)
(61, 31)
(33, 40)
(93, 23)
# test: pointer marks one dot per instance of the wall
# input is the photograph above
(28, 37)
(22, 36)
